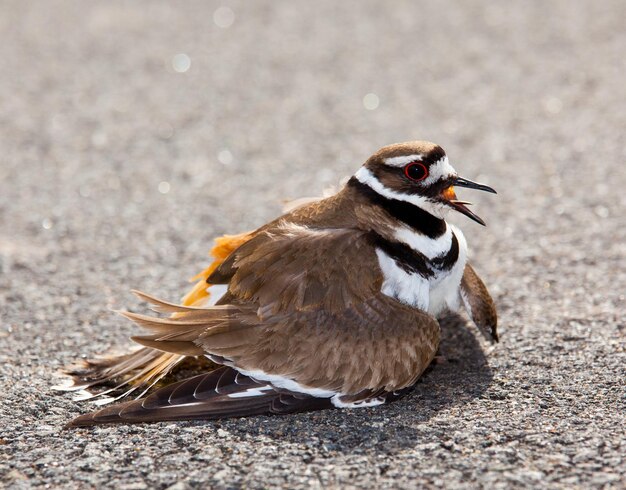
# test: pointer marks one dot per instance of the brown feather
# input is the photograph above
(180, 347)
(206, 396)
(323, 344)
(479, 303)
(305, 302)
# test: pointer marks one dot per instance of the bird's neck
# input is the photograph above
(400, 210)
(418, 251)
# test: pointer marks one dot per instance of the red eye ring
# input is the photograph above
(416, 171)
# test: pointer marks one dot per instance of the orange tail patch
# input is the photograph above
(223, 247)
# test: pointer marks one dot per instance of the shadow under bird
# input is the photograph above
(332, 305)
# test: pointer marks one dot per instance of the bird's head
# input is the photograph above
(418, 172)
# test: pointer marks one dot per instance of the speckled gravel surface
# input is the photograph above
(132, 133)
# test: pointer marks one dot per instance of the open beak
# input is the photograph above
(461, 206)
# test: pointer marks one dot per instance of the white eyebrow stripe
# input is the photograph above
(403, 160)
(439, 170)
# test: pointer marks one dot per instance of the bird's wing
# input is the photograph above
(478, 303)
(221, 393)
(307, 307)
(296, 268)
(138, 371)
(306, 314)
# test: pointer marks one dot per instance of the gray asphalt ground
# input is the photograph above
(117, 170)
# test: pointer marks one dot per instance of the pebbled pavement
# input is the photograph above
(132, 133)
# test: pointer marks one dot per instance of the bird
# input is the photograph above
(332, 305)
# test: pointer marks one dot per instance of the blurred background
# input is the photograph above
(132, 133)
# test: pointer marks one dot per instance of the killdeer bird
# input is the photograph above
(333, 304)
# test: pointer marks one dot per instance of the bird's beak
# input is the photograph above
(461, 206)
(461, 182)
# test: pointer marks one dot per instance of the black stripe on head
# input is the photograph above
(405, 257)
(433, 156)
(407, 213)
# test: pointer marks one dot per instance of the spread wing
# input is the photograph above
(304, 313)
(305, 305)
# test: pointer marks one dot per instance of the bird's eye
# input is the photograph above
(416, 171)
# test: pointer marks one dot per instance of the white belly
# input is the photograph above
(408, 288)
(444, 291)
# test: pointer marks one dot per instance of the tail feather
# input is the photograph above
(140, 368)
(179, 324)
(143, 368)
(145, 378)
(180, 347)
(219, 394)
(178, 335)
(91, 372)
(162, 306)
